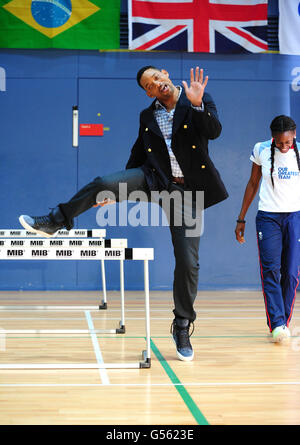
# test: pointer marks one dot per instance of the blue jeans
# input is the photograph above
(278, 237)
(186, 248)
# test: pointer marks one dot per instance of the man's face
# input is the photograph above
(157, 84)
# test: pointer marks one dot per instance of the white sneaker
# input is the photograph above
(280, 334)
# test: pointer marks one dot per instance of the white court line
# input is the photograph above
(137, 318)
(103, 372)
(208, 384)
(70, 308)
(96, 310)
(48, 308)
(75, 318)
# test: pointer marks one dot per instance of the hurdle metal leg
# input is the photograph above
(147, 352)
(104, 301)
(121, 330)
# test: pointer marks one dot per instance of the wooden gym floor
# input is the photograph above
(237, 377)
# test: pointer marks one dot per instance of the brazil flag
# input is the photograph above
(72, 24)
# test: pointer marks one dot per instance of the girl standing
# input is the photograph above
(277, 162)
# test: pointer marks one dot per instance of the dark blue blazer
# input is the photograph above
(191, 131)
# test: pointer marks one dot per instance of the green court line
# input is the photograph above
(191, 405)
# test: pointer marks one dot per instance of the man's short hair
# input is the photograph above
(141, 72)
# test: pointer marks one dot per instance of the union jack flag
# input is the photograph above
(216, 26)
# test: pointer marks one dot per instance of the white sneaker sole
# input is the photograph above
(282, 337)
(182, 357)
(32, 230)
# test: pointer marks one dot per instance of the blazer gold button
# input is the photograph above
(149, 149)
(193, 146)
(185, 126)
(202, 166)
(146, 129)
(208, 113)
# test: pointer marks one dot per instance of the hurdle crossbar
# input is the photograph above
(19, 252)
(71, 243)
(74, 233)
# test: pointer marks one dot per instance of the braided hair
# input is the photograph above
(281, 124)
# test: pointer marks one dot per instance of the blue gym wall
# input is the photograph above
(39, 167)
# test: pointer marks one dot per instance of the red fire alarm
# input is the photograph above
(91, 130)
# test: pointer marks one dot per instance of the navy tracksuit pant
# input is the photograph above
(278, 236)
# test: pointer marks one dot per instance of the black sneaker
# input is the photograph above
(46, 225)
(181, 337)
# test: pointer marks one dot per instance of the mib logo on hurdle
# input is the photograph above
(60, 253)
(57, 249)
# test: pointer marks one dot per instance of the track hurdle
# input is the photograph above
(34, 248)
(66, 240)
(74, 233)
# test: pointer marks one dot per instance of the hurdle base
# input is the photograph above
(121, 329)
(103, 305)
(147, 361)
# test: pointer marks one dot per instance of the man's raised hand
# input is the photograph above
(195, 91)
